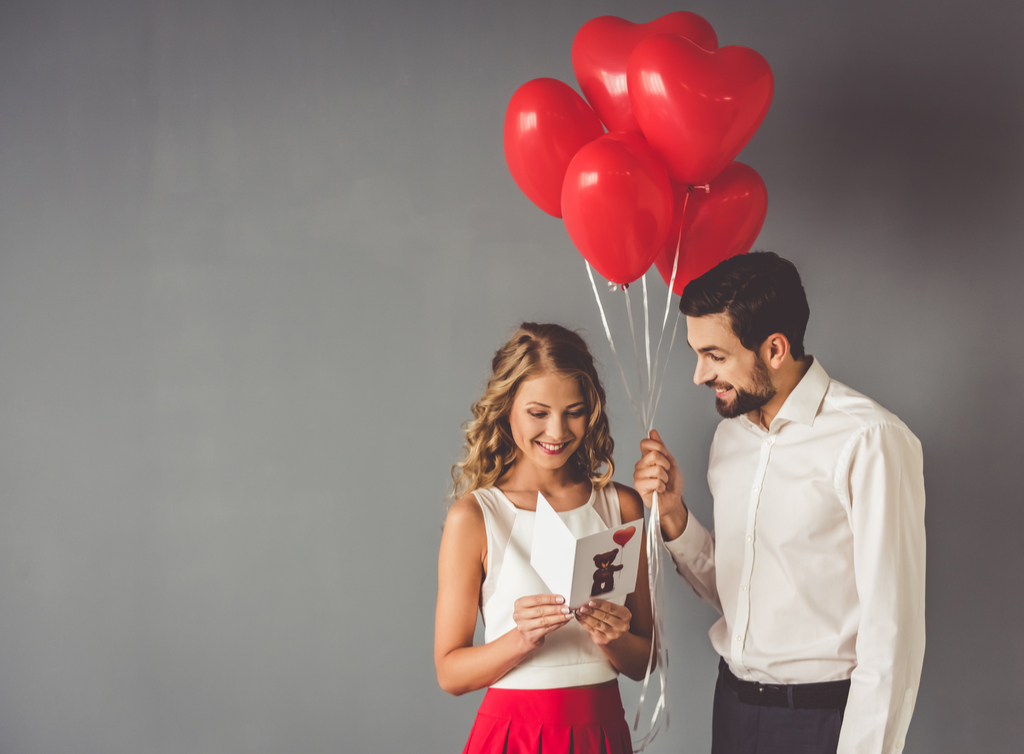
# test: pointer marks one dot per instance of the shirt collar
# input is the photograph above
(803, 403)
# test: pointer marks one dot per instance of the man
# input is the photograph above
(817, 561)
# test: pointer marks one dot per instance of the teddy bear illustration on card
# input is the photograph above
(604, 575)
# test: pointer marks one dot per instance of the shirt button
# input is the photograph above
(750, 538)
(739, 638)
(754, 488)
(746, 678)
(744, 587)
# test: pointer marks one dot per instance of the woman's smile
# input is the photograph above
(551, 448)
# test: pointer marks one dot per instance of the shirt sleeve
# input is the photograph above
(881, 478)
(693, 552)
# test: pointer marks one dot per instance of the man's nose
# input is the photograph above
(701, 374)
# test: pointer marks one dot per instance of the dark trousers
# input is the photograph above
(739, 728)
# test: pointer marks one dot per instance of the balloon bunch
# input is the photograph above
(678, 111)
(660, 187)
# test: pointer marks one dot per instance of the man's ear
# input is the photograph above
(775, 349)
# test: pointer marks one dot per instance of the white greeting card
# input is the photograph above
(602, 565)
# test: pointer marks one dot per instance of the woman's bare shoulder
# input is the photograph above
(465, 509)
(630, 504)
(465, 519)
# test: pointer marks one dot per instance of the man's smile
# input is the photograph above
(721, 391)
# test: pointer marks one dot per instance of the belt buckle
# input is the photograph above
(772, 695)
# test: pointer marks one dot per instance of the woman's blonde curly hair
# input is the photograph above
(533, 350)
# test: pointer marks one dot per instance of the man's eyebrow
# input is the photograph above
(705, 349)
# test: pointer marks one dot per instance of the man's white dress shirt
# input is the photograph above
(818, 556)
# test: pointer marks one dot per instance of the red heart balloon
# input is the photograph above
(698, 109)
(601, 50)
(715, 225)
(624, 535)
(617, 205)
(546, 123)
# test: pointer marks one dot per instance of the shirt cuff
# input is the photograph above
(690, 543)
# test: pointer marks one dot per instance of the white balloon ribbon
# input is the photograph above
(644, 406)
(608, 333)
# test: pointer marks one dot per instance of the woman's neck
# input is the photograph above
(563, 488)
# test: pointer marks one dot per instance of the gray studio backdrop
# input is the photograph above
(255, 258)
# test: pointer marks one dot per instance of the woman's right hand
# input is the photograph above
(537, 616)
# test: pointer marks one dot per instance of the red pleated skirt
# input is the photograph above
(582, 720)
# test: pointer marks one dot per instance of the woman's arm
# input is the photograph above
(624, 632)
(461, 667)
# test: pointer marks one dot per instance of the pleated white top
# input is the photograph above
(568, 657)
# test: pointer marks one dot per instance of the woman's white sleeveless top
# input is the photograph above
(568, 657)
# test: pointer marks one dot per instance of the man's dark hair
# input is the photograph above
(760, 292)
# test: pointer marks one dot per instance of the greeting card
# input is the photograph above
(602, 565)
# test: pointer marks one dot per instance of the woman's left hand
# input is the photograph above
(604, 621)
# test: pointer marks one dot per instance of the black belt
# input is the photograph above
(828, 695)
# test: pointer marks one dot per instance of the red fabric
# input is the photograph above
(582, 720)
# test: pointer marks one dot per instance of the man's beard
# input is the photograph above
(749, 400)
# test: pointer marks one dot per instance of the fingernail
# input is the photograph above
(593, 604)
(566, 611)
(559, 600)
(582, 609)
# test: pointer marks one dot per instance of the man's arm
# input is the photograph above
(884, 485)
(691, 546)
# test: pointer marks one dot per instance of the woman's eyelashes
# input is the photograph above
(571, 414)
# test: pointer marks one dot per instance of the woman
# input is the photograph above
(539, 427)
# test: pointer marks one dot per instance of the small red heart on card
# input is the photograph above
(601, 51)
(698, 109)
(623, 535)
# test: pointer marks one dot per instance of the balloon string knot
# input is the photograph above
(706, 188)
